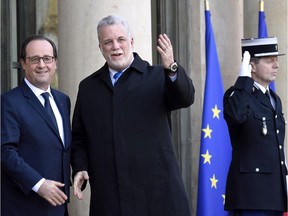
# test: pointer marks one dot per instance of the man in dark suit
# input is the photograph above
(121, 133)
(256, 183)
(35, 151)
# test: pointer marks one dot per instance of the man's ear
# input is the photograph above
(253, 67)
(100, 48)
(22, 62)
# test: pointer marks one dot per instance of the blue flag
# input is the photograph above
(215, 149)
(262, 30)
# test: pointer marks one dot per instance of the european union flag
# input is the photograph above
(215, 150)
(262, 29)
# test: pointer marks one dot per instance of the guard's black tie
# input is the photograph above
(48, 107)
(267, 93)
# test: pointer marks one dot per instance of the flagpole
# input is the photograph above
(261, 5)
(206, 5)
(262, 29)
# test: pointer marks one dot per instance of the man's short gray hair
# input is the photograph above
(114, 20)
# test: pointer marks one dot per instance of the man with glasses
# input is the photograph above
(35, 137)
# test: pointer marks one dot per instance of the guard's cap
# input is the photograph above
(261, 47)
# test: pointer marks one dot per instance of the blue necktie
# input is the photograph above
(48, 107)
(116, 76)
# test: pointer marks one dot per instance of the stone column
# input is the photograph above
(79, 54)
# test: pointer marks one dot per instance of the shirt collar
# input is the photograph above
(263, 89)
(37, 91)
(112, 71)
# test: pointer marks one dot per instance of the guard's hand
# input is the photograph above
(79, 179)
(50, 190)
(245, 69)
(165, 50)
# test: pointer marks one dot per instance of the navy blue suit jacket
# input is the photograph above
(31, 149)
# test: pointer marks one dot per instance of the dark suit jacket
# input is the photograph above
(256, 178)
(122, 136)
(31, 149)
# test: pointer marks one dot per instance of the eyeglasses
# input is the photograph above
(36, 59)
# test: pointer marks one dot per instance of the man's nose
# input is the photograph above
(115, 45)
(41, 63)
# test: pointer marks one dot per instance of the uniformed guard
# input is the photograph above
(256, 182)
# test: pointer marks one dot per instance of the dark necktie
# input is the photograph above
(116, 76)
(48, 107)
(267, 93)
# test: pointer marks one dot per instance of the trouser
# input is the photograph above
(255, 213)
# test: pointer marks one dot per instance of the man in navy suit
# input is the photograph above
(256, 183)
(35, 151)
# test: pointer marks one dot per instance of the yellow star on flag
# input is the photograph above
(214, 182)
(207, 131)
(216, 112)
(206, 157)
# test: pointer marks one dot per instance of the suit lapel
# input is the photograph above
(264, 99)
(104, 76)
(38, 107)
(277, 100)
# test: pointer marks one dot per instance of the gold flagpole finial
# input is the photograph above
(206, 5)
(261, 5)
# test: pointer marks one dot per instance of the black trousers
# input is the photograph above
(255, 213)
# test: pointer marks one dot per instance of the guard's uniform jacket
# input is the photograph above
(257, 174)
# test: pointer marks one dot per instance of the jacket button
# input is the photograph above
(277, 131)
(257, 169)
(280, 146)
(282, 162)
(276, 116)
